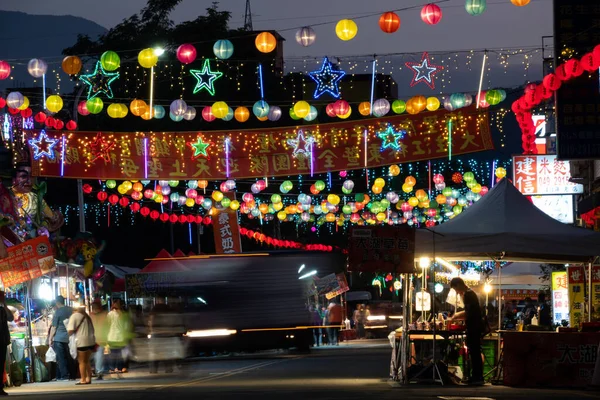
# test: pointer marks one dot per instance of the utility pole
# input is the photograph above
(248, 17)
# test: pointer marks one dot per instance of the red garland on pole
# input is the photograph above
(536, 94)
(289, 244)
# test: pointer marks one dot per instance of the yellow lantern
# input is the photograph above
(477, 188)
(25, 103)
(217, 195)
(114, 110)
(127, 185)
(241, 114)
(264, 208)
(124, 110)
(346, 29)
(433, 103)
(265, 42)
(333, 199)
(158, 198)
(121, 189)
(421, 195)
(301, 109)
(394, 170)
(277, 206)
(406, 188)
(379, 182)
(220, 109)
(330, 217)
(189, 202)
(138, 107)
(54, 103)
(500, 172)
(376, 189)
(413, 201)
(380, 216)
(364, 108)
(281, 215)
(419, 102)
(234, 205)
(147, 58)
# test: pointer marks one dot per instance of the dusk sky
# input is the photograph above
(501, 25)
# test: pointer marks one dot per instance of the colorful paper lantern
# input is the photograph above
(190, 113)
(381, 107)
(431, 14)
(14, 100)
(186, 53)
(82, 108)
(261, 109)
(398, 106)
(54, 103)
(94, 105)
(265, 42)
(219, 109)
(345, 116)
(138, 107)
(394, 170)
(223, 49)
(520, 3)
(178, 107)
(25, 103)
(432, 103)
(389, 22)
(346, 29)
(364, 108)
(147, 58)
(306, 36)
(274, 113)
(207, 114)
(475, 7)
(158, 112)
(301, 108)
(341, 107)
(37, 68)
(312, 114)
(110, 60)
(500, 172)
(71, 65)
(114, 110)
(419, 102)
(493, 97)
(4, 70)
(241, 114)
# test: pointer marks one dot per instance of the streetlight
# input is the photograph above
(487, 288)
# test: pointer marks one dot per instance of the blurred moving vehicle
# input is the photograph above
(241, 302)
(382, 316)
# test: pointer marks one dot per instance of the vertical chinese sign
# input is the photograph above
(227, 233)
(382, 249)
(576, 279)
(560, 297)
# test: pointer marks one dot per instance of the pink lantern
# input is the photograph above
(261, 185)
(82, 108)
(341, 107)
(438, 178)
(248, 197)
(186, 53)
(207, 114)
(482, 101)
(405, 207)
(71, 125)
(4, 70)
(431, 14)
(484, 190)
(329, 109)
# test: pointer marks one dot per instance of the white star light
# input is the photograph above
(301, 145)
(43, 146)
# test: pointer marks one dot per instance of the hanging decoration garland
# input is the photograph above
(206, 78)
(424, 71)
(327, 79)
(99, 81)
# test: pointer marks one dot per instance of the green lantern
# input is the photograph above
(320, 185)
(110, 60)
(457, 209)
(447, 192)
(226, 202)
(288, 185)
(111, 184)
(347, 209)
(94, 105)
(359, 197)
(398, 106)
(346, 191)
(293, 114)
(468, 176)
(475, 7)
(493, 97)
(275, 198)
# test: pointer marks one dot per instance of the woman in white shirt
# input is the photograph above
(80, 325)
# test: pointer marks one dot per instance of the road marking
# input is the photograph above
(225, 374)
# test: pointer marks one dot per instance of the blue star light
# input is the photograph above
(327, 79)
(391, 138)
(43, 146)
(424, 71)
(99, 82)
(206, 78)
(301, 144)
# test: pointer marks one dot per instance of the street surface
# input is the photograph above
(358, 370)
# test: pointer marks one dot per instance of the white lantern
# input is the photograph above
(306, 36)
(189, 114)
(15, 99)
(178, 107)
(381, 107)
(274, 113)
(37, 68)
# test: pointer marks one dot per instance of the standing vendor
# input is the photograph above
(474, 323)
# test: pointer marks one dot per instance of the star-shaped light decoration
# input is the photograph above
(101, 148)
(43, 146)
(206, 78)
(301, 145)
(391, 138)
(424, 71)
(199, 148)
(327, 79)
(99, 82)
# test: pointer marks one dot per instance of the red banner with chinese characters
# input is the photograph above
(27, 261)
(227, 233)
(382, 249)
(260, 152)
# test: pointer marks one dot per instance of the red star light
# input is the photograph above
(424, 71)
(101, 148)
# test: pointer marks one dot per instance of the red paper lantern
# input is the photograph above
(389, 22)
(574, 68)
(207, 114)
(329, 109)
(113, 199)
(207, 220)
(186, 53)
(341, 107)
(164, 217)
(145, 211)
(4, 70)
(102, 196)
(26, 113)
(40, 117)
(182, 219)
(191, 219)
(136, 195)
(87, 188)
(431, 14)
(2, 102)
(124, 202)
(484, 190)
(562, 73)
(49, 122)
(135, 207)
(13, 111)
(71, 125)
(58, 124)
(457, 177)
(588, 62)
(82, 108)
(198, 219)
(154, 214)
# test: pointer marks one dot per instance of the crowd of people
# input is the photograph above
(326, 322)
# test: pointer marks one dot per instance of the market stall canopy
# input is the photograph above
(505, 225)
(164, 262)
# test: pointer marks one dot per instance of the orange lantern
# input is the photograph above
(71, 65)
(410, 180)
(330, 217)
(138, 107)
(265, 42)
(376, 189)
(367, 199)
(441, 199)
(421, 195)
(364, 108)
(138, 187)
(520, 3)
(411, 108)
(389, 22)
(241, 114)
(202, 184)
(419, 102)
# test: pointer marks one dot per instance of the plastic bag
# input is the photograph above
(41, 372)
(50, 355)
(73, 347)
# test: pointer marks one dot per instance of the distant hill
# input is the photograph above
(25, 36)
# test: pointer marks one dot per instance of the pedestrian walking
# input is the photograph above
(100, 322)
(81, 325)
(119, 333)
(334, 320)
(59, 339)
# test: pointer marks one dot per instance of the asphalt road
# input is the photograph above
(358, 371)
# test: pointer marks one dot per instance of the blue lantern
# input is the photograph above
(261, 109)
(312, 114)
(229, 115)
(475, 7)
(159, 112)
(175, 118)
(223, 49)
(457, 100)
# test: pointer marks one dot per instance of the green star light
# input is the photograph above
(199, 148)
(99, 82)
(391, 138)
(206, 78)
